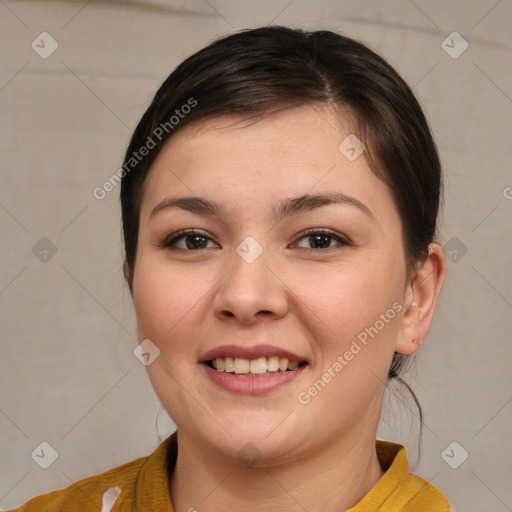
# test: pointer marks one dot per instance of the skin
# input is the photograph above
(311, 301)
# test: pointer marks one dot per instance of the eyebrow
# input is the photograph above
(288, 207)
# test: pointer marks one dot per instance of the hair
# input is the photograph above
(256, 72)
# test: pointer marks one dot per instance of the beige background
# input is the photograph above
(68, 375)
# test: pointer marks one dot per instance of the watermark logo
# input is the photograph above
(249, 250)
(44, 45)
(351, 147)
(249, 454)
(455, 249)
(45, 455)
(44, 250)
(454, 455)
(454, 45)
(146, 352)
(305, 397)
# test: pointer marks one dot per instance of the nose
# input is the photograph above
(251, 292)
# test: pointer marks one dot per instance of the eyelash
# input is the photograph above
(170, 242)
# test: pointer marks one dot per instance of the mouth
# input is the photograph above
(258, 367)
(252, 370)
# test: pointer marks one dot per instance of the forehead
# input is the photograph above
(287, 134)
(287, 153)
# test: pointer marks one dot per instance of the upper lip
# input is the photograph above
(250, 352)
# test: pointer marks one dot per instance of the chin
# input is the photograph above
(251, 438)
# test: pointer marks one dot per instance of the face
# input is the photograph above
(292, 258)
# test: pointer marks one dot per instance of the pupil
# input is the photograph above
(193, 244)
(319, 238)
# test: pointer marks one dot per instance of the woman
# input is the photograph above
(279, 201)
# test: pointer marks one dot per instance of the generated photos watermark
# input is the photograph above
(137, 156)
(343, 360)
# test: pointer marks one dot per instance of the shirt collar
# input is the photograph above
(152, 484)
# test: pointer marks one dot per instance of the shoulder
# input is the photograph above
(86, 494)
(423, 496)
(408, 492)
(398, 489)
(125, 485)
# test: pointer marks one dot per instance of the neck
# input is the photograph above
(335, 477)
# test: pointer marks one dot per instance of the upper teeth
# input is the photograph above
(253, 366)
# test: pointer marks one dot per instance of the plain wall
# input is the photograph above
(68, 375)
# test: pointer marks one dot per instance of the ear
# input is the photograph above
(421, 298)
(128, 276)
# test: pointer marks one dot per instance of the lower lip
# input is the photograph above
(252, 385)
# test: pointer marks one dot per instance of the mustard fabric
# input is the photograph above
(143, 484)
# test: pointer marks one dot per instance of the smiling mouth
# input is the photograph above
(258, 367)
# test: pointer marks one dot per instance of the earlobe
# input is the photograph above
(422, 294)
(128, 276)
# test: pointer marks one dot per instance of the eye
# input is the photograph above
(187, 240)
(321, 239)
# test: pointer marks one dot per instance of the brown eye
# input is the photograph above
(322, 239)
(188, 241)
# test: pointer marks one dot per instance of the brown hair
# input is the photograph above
(259, 71)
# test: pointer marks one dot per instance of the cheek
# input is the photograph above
(165, 303)
(342, 302)
(353, 315)
(154, 303)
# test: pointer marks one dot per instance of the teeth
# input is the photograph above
(258, 365)
(228, 364)
(242, 365)
(253, 367)
(272, 364)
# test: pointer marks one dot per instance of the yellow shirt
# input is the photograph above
(143, 487)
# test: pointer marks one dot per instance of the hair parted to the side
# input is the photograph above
(255, 72)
